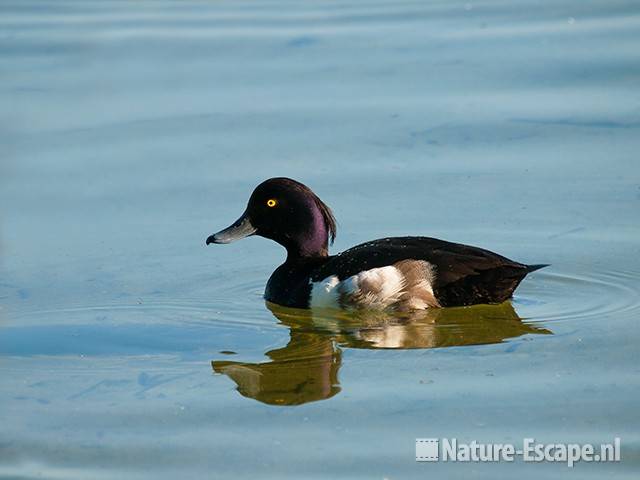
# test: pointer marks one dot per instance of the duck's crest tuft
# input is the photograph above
(329, 219)
(327, 214)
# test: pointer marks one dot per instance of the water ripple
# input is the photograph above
(562, 296)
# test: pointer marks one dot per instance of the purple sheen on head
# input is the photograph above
(305, 226)
(315, 239)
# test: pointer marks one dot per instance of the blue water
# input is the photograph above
(130, 131)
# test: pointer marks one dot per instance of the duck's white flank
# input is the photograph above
(375, 288)
(407, 284)
(324, 293)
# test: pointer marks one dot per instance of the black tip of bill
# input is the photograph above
(211, 239)
(241, 228)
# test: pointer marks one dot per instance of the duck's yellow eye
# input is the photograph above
(272, 202)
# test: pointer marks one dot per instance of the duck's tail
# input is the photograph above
(533, 268)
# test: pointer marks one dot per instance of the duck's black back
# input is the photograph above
(464, 275)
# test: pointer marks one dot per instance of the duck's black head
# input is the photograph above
(289, 213)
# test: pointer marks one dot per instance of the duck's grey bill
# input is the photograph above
(240, 229)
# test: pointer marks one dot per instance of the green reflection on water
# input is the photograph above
(306, 369)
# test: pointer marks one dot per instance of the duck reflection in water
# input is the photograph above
(306, 369)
